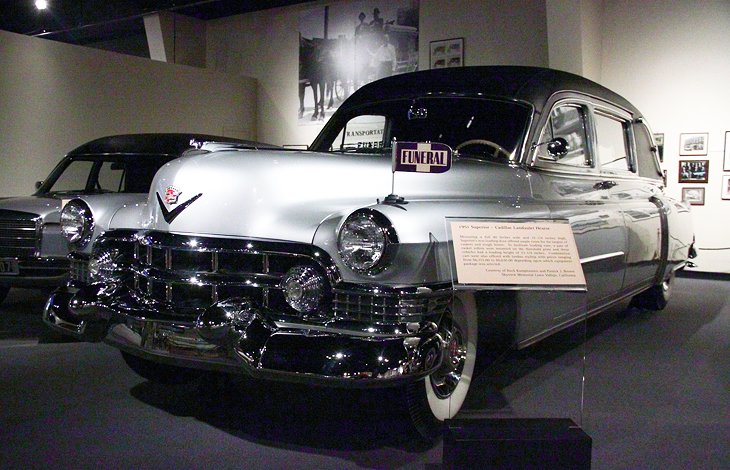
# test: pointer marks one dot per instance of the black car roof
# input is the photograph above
(158, 144)
(534, 85)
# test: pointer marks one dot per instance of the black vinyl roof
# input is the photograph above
(153, 144)
(534, 85)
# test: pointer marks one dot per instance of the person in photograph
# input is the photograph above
(377, 23)
(385, 58)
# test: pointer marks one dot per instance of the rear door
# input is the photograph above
(638, 198)
(574, 188)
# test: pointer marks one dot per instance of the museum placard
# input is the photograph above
(532, 254)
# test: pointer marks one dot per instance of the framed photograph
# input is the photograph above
(726, 186)
(659, 141)
(447, 53)
(694, 196)
(694, 171)
(726, 163)
(693, 144)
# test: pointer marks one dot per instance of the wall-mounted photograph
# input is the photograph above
(693, 144)
(694, 196)
(726, 162)
(659, 141)
(446, 53)
(346, 45)
(694, 171)
(726, 186)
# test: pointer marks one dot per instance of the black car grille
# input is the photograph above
(79, 269)
(19, 238)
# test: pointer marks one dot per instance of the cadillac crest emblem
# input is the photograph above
(171, 195)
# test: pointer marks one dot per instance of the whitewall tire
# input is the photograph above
(441, 395)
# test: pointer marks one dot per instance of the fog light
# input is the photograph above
(104, 266)
(303, 288)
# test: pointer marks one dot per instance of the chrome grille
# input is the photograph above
(19, 238)
(188, 274)
(388, 307)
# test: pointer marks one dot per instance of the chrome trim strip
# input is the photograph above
(592, 259)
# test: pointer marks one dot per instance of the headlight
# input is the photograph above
(77, 223)
(303, 288)
(363, 240)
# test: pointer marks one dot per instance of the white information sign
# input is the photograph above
(534, 253)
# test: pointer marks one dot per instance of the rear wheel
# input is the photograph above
(159, 373)
(656, 297)
(441, 395)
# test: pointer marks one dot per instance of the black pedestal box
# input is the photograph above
(477, 443)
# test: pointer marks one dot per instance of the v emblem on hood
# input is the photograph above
(169, 216)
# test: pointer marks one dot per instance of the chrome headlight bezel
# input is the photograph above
(365, 241)
(77, 223)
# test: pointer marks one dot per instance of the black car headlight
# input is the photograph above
(77, 222)
(364, 240)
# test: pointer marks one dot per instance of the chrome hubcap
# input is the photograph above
(447, 377)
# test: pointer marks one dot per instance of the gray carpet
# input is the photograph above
(656, 395)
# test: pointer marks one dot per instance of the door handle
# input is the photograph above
(608, 184)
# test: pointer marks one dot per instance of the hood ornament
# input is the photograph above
(171, 198)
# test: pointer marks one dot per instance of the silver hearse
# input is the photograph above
(33, 250)
(306, 265)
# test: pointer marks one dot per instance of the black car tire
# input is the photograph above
(656, 297)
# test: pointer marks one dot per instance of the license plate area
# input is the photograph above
(8, 267)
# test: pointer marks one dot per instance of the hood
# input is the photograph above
(286, 195)
(48, 208)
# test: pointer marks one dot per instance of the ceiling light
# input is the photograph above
(41, 4)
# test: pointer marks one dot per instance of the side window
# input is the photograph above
(110, 177)
(646, 153)
(567, 122)
(612, 145)
(361, 132)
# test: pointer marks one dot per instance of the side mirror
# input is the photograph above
(558, 147)
(38, 185)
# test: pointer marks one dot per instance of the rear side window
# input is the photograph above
(612, 143)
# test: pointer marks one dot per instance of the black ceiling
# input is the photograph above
(87, 21)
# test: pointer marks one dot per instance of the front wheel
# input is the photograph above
(3, 293)
(441, 395)
(159, 373)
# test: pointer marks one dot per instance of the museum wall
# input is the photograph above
(56, 96)
(265, 45)
(671, 60)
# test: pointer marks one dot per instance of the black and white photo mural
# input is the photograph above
(348, 44)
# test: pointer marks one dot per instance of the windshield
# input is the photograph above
(475, 127)
(93, 174)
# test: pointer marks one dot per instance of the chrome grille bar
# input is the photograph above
(20, 238)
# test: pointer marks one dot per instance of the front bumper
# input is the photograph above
(236, 336)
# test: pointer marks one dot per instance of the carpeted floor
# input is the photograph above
(651, 389)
